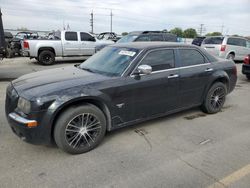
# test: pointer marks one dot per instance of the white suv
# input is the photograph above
(228, 47)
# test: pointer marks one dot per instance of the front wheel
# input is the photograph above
(215, 98)
(80, 129)
(46, 57)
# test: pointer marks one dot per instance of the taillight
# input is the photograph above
(223, 48)
(247, 60)
(26, 44)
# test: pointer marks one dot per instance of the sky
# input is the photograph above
(227, 16)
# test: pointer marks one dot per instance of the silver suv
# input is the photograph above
(228, 47)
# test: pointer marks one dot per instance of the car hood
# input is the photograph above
(54, 80)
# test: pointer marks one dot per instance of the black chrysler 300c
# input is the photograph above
(121, 85)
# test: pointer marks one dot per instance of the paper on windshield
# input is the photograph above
(128, 53)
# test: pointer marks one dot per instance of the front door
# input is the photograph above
(87, 44)
(144, 96)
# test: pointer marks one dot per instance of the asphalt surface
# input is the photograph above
(185, 150)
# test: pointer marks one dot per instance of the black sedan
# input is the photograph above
(121, 85)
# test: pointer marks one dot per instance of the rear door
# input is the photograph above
(194, 74)
(71, 45)
(213, 45)
(87, 44)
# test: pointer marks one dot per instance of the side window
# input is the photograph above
(86, 37)
(243, 42)
(159, 59)
(248, 44)
(191, 57)
(71, 36)
(143, 38)
(236, 42)
(156, 38)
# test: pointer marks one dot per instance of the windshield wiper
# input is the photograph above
(87, 69)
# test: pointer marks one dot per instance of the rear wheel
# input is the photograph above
(231, 56)
(80, 129)
(215, 98)
(46, 57)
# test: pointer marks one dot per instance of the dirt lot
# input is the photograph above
(186, 150)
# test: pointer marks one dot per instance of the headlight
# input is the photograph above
(24, 105)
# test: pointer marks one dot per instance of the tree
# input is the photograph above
(124, 33)
(177, 31)
(214, 34)
(190, 33)
(22, 29)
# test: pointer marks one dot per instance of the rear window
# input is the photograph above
(213, 40)
(71, 36)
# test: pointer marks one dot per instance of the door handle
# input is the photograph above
(173, 76)
(209, 70)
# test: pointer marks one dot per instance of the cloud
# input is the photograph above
(129, 15)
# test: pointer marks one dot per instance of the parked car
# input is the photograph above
(229, 47)
(121, 85)
(69, 44)
(198, 41)
(109, 36)
(139, 36)
(246, 66)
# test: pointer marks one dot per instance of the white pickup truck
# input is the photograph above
(64, 44)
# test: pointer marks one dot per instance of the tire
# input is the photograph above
(231, 57)
(9, 53)
(72, 136)
(215, 98)
(46, 57)
(248, 77)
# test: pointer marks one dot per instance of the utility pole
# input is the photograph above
(92, 22)
(222, 28)
(111, 21)
(201, 29)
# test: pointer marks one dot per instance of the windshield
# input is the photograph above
(127, 38)
(111, 61)
(213, 40)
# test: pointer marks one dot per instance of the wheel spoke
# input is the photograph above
(90, 137)
(94, 128)
(77, 141)
(86, 122)
(74, 139)
(86, 139)
(71, 130)
(92, 125)
(70, 125)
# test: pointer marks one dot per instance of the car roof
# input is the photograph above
(148, 32)
(151, 45)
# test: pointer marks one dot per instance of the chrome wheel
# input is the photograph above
(218, 98)
(83, 130)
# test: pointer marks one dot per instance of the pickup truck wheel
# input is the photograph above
(9, 53)
(215, 98)
(46, 57)
(80, 129)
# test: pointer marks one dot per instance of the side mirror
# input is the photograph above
(144, 69)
